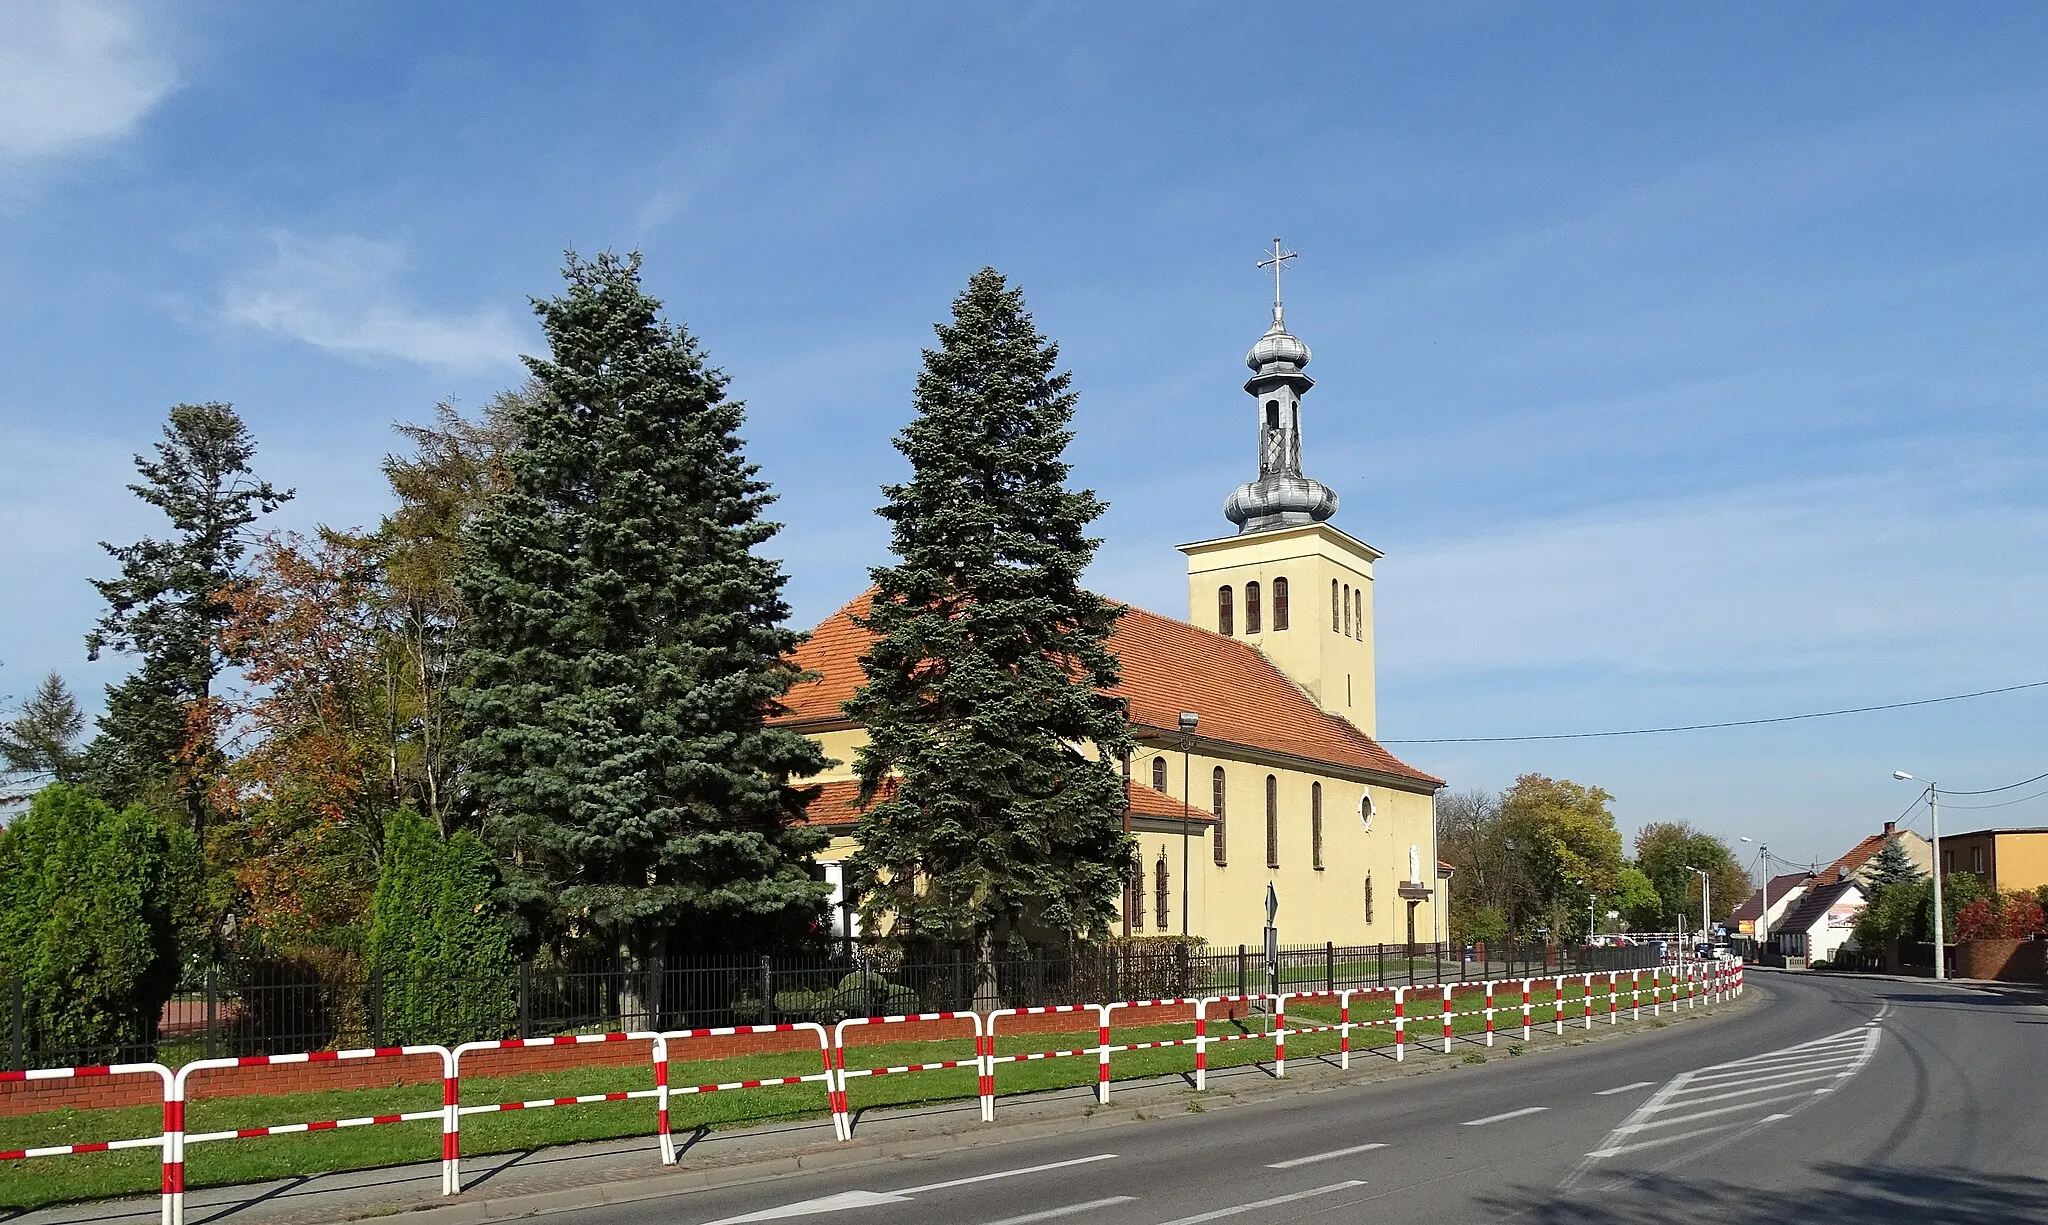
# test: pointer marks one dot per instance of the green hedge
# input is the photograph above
(440, 954)
(96, 907)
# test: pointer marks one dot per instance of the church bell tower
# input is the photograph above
(1288, 583)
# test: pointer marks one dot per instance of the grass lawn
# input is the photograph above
(35, 1182)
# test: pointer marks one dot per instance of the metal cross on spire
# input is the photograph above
(1275, 261)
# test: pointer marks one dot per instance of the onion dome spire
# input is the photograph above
(1281, 496)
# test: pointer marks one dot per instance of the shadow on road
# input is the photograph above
(1838, 1195)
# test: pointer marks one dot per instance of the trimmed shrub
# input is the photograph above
(440, 953)
(96, 909)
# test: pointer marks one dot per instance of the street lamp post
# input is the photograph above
(1934, 824)
(1188, 721)
(1706, 917)
(1763, 868)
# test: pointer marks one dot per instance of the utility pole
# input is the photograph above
(1706, 893)
(1934, 821)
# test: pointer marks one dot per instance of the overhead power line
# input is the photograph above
(1703, 727)
(1995, 790)
(2002, 803)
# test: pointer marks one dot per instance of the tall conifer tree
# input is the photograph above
(166, 607)
(992, 777)
(626, 644)
(1891, 866)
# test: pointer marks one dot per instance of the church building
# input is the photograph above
(1254, 719)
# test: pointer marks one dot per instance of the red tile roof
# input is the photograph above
(1858, 856)
(1168, 666)
(835, 804)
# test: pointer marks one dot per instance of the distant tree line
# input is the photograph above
(1543, 860)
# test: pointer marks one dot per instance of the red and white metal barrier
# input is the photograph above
(843, 1119)
(1203, 1038)
(173, 1121)
(1400, 1024)
(1451, 1012)
(990, 1059)
(1708, 983)
(178, 1094)
(1108, 1048)
(451, 1157)
(664, 1052)
(1341, 1027)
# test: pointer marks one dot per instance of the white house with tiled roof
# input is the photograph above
(1280, 781)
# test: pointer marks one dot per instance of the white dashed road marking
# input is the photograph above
(1220, 1213)
(1502, 1118)
(1313, 1158)
(1054, 1214)
(1641, 1084)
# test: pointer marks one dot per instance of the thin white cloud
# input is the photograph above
(338, 294)
(74, 73)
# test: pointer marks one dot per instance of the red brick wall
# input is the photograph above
(2013, 961)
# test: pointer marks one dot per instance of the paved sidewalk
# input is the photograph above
(580, 1175)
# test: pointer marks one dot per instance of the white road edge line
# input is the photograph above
(1502, 1118)
(1053, 1214)
(1277, 1200)
(1329, 1156)
(1029, 1169)
(1641, 1084)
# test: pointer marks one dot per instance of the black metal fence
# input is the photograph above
(272, 1008)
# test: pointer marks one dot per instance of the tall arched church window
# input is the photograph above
(1279, 604)
(1251, 608)
(1358, 620)
(1159, 774)
(1226, 612)
(1347, 610)
(1336, 613)
(1161, 907)
(1368, 899)
(1272, 822)
(1221, 845)
(1134, 894)
(1315, 825)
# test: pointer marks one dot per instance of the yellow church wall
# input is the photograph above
(1333, 666)
(840, 745)
(1227, 902)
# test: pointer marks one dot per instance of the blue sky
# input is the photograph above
(1685, 362)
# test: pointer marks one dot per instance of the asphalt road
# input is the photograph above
(1842, 1100)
